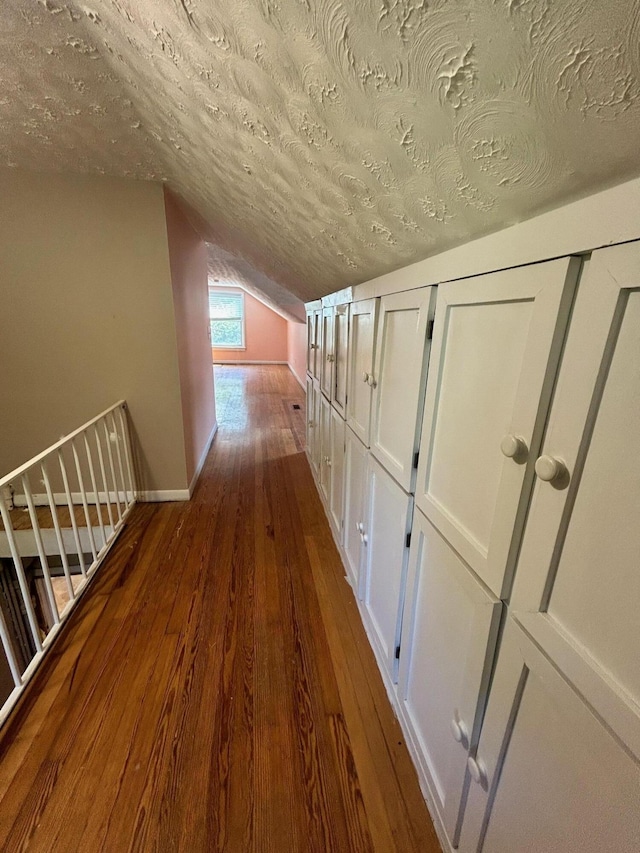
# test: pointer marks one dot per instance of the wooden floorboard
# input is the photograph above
(214, 689)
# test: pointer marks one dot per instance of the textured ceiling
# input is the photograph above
(327, 142)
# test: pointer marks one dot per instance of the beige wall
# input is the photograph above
(265, 334)
(87, 317)
(188, 257)
(297, 350)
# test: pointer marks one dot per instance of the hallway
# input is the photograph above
(215, 689)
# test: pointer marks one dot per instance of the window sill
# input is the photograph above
(228, 349)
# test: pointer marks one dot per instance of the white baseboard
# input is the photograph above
(163, 495)
(301, 382)
(245, 361)
(203, 458)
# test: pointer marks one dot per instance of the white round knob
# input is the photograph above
(365, 377)
(328, 462)
(550, 468)
(512, 446)
(477, 770)
(371, 381)
(365, 538)
(458, 730)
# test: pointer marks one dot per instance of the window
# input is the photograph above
(226, 313)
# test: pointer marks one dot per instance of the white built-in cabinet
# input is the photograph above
(326, 353)
(325, 446)
(363, 316)
(314, 316)
(549, 775)
(449, 632)
(568, 685)
(336, 463)
(497, 341)
(506, 603)
(398, 380)
(385, 535)
(340, 353)
(355, 508)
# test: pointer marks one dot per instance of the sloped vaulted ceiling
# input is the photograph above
(326, 142)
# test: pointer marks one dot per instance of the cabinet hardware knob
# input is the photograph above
(328, 462)
(551, 469)
(312, 346)
(365, 377)
(459, 731)
(513, 446)
(364, 538)
(477, 771)
(372, 382)
(330, 357)
(310, 423)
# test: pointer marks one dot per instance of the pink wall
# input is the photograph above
(188, 261)
(297, 350)
(265, 334)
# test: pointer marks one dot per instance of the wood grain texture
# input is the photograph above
(215, 689)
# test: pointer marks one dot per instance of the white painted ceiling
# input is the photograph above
(327, 142)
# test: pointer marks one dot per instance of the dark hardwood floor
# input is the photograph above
(215, 689)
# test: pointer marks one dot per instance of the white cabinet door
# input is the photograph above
(385, 562)
(497, 340)
(355, 506)
(363, 318)
(340, 352)
(449, 632)
(577, 588)
(310, 418)
(326, 367)
(551, 777)
(311, 342)
(313, 404)
(401, 358)
(325, 446)
(336, 456)
(318, 354)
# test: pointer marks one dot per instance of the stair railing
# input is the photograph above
(60, 513)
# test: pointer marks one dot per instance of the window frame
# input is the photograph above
(221, 291)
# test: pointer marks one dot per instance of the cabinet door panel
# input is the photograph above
(313, 425)
(316, 446)
(386, 529)
(310, 418)
(336, 492)
(325, 446)
(318, 352)
(310, 342)
(398, 380)
(577, 587)
(497, 341)
(341, 339)
(355, 502)
(327, 361)
(552, 777)
(448, 640)
(363, 318)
